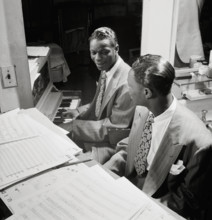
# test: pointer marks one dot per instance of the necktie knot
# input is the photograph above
(150, 118)
(104, 76)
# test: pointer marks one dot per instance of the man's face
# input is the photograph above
(136, 90)
(103, 53)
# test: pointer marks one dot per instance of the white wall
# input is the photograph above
(159, 26)
(13, 52)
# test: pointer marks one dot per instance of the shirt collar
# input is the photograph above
(169, 112)
(114, 68)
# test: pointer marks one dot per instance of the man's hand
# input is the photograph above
(71, 113)
(67, 126)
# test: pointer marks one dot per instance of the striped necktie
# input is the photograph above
(140, 160)
(101, 93)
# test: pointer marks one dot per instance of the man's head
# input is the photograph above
(151, 76)
(104, 48)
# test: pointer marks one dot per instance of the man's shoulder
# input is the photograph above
(140, 112)
(123, 65)
(121, 74)
(186, 114)
(191, 126)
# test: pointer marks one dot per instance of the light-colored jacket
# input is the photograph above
(188, 39)
(116, 111)
(186, 139)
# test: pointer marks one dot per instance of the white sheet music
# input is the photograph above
(149, 209)
(27, 148)
(37, 51)
(18, 125)
(14, 127)
(27, 157)
(88, 196)
(14, 197)
(66, 193)
(41, 118)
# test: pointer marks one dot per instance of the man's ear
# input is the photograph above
(117, 48)
(148, 93)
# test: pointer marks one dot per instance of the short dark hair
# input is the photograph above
(154, 72)
(104, 33)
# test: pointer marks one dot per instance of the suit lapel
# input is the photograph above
(111, 88)
(141, 114)
(166, 155)
(90, 113)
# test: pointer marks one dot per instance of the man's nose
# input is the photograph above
(98, 57)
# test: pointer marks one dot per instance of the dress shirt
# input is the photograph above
(159, 126)
(110, 73)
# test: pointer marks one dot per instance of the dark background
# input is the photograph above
(69, 23)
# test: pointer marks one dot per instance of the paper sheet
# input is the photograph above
(84, 197)
(17, 127)
(41, 118)
(90, 194)
(28, 157)
(27, 147)
(37, 51)
(14, 197)
(149, 209)
(65, 193)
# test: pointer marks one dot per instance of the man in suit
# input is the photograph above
(177, 167)
(111, 107)
(188, 38)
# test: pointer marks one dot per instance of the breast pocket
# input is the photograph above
(176, 175)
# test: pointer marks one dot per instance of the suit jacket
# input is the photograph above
(117, 111)
(188, 39)
(186, 139)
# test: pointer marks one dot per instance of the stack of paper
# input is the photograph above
(71, 192)
(27, 148)
(84, 193)
(37, 51)
(14, 197)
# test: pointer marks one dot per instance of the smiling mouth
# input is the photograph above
(99, 64)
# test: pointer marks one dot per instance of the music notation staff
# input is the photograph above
(27, 147)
